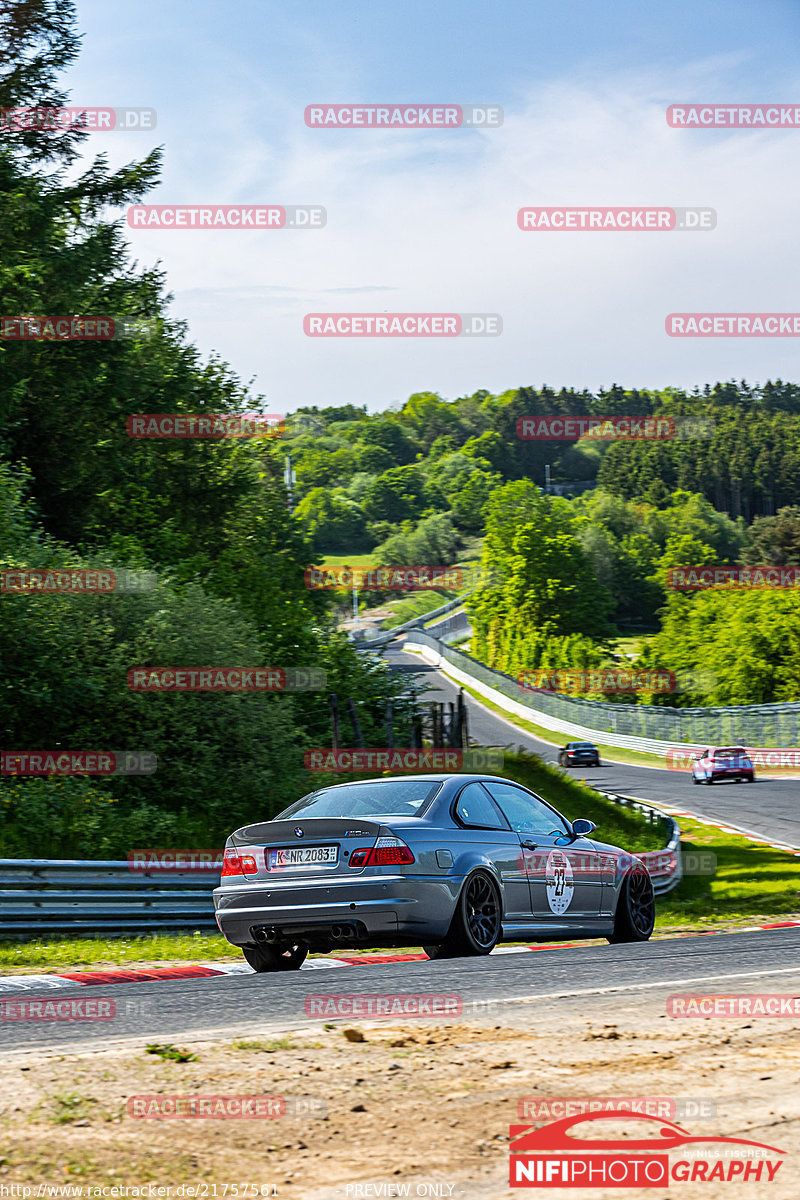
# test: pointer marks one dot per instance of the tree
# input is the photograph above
(332, 521)
(537, 579)
(775, 540)
(396, 495)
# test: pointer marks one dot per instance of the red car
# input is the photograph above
(723, 762)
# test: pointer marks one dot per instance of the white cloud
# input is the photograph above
(427, 222)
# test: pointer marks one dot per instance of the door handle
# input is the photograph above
(530, 845)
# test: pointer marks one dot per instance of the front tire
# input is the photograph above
(636, 908)
(276, 958)
(476, 925)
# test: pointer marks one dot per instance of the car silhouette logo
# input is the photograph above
(298, 831)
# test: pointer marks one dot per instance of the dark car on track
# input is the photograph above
(579, 754)
(723, 762)
(453, 862)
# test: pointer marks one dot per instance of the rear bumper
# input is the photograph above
(399, 907)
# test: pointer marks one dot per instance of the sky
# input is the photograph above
(425, 220)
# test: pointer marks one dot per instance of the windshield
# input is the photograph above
(375, 798)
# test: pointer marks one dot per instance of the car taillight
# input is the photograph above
(234, 863)
(387, 852)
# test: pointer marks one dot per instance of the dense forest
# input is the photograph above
(210, 518)
(576, 536)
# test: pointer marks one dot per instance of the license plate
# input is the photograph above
(302, 856)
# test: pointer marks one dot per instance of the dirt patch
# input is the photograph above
(423, 1105)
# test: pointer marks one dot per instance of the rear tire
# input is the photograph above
(636, 908)
(276, 958)
(709, 781)
(694, 778)
(476, 925)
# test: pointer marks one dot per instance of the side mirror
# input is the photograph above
(582, 828)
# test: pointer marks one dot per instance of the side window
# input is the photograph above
(474, 807)
(526, 813)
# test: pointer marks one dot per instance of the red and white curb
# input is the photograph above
(28, 983)
(41, 983)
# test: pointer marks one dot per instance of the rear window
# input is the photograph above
(375, 798)
(729, 752)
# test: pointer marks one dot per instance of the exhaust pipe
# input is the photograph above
(338, 932)
(268, 936)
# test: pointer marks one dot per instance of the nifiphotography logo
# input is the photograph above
(656, 1154)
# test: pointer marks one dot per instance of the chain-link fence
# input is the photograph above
(747, 724)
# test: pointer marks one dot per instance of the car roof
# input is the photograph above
(439, 777)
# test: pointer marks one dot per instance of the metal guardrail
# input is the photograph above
(648, 727)
(388, 635)
(39, 895)
(665, 866)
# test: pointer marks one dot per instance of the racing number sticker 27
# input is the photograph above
(559, 881)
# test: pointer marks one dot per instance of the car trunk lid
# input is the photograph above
(305, 848)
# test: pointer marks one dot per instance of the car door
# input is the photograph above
(565, 874)
(482, 826)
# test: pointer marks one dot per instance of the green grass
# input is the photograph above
(67, 1107)
(362, 561)
(284, 1043)
(631, 645)
(416, 605)
(620, 826)
(752, 882)
(171, 1053)
(54, 954)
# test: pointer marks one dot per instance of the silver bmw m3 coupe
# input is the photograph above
(455, 863)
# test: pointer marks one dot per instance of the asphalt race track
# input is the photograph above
(768, 807)
(575, 982)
